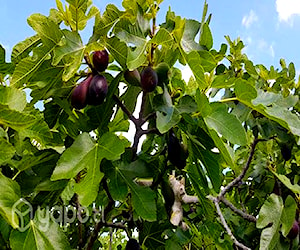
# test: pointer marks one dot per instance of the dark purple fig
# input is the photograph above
(100, 60)
(149, 79)
(177, 152)
(79, 93)
(97, 90)
(132, 244)
(294, 231)
(133, 77)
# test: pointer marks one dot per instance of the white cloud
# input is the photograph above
(268, 48)
(287, 8)
(249, 19)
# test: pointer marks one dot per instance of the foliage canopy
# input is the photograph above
(231, 181)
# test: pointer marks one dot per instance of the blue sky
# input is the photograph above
(270, 29)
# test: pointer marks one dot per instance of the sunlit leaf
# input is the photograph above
(226, 124)
(9, 196)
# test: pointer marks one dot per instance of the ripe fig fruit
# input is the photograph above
(177, 152)
(97, 90)
(133, 77)
(132, 244)
(79, 93)
(286, 150)
(149, 79)
(294, 231)
(100, 60)
(163, 72)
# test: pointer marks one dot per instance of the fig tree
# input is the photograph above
(149, 79)
(79, 93)
(97, 90)
(177, 152)
(100, 60)
(294, 231)
(133, 77)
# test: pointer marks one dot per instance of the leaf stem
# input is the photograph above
(16, 175)
(229, 99)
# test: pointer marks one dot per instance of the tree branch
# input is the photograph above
(221, 197)
(224, 223)
(125, 110)
(246, 216)
(102, 222)
(244, 171)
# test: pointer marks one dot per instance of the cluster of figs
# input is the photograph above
(93, 89)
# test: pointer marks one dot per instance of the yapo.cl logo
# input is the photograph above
(24, 211)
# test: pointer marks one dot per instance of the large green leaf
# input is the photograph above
(50, 35)
(9, 196)
(22, 49)
(47, 30)
(47, 82)
(288, 215)
(15, 119)
(118, 49)
(121, 177)
(143, 201)
(7, 151)
(71, 52)
(132, 35)
(117, 182)
(86, 154)
(39, 131)
(206, 38)
(73, 159)
(13, 98)
(226, 124)
(5, 68)
(43, 233)
(76, 15)
(104, 23)
(295, 188)
(269, 219)
(194, 61)
(191, 29)
(244, 91)
(162, 37)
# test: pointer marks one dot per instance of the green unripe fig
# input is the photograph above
(79, 93)
(220, 69)
(163, 72)
(100, 60)
(97, 90)
(293, 233)
(132, 244)
(177, 152)
(149, 79)
(133, 77)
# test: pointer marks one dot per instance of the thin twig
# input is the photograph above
(148, 117)
(225, 225)
(125, 110)
(102, 222)
(246, 216)
(244, 171)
